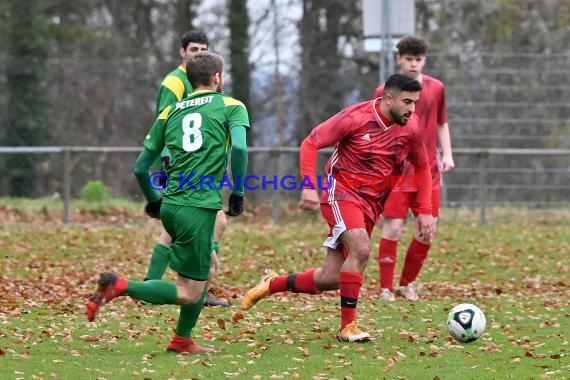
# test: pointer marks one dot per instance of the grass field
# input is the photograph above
(515, 269)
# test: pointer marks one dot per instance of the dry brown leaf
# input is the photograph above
(237, 316)
(89, 338)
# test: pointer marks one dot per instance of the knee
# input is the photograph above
(165, 239)
(326, 279)
(362, 251)
(188, 295)
(220, 226)
(214, 267)
(392, 229)
(185, 298)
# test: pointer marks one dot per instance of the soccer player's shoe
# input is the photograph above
(213, 300)
(259, 291)
(110, 286)
(353, 333)
(409, 292)
(180, 345)
(387, 295)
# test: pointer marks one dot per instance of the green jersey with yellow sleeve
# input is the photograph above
(173, 88)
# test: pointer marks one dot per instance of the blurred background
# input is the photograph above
(84, 73)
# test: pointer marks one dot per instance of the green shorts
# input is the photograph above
(192, 232)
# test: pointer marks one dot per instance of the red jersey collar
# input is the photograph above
(381, 119)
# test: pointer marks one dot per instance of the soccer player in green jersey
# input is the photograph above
(174, 88)
(198, 132)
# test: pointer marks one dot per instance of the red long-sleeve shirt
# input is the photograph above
(369, 152)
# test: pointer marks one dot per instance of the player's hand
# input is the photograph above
(235, 205)
(447, 163)
(426, 226)
(152, 209)
(309, 200)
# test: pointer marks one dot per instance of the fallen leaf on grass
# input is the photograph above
(237, 316)
(89, 338)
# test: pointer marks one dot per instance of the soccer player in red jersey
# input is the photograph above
(371, 140)
(432, 115)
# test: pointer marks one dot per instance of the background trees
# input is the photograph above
(85, 72)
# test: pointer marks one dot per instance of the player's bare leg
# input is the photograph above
(219, 229)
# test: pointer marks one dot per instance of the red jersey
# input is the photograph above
(431, 112)
(367, 157)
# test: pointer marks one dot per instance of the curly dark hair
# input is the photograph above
(412, 45)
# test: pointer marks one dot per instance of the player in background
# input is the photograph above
(432, 115)
(197, 132)
(174, 88)
(371, 139)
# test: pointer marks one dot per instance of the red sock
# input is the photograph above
(387, 262)
(415, 257)
(350, 284)
(297, 283)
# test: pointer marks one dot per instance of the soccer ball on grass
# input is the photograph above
(466, 322)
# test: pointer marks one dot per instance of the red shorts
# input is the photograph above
(399, 202)
(342, 216)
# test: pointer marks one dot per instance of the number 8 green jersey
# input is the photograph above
(196, 132)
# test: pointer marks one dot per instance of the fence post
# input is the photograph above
(276, 201)
(482, 163)
(66, 184)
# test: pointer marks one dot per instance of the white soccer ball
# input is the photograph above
(466, 322)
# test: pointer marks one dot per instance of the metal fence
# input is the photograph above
(483, 177)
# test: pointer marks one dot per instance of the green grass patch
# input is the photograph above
(517, 273)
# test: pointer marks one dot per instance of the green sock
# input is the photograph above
(154, 291)
(188, 317)
(158, 262)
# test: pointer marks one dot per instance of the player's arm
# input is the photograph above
(419, 159)
(322, 136)
(239, 169)
(142, 173)
(443, 135)
(153, 144)
(238, 122)
(444, 139)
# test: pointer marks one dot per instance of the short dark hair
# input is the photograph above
(412, 45)
(194, 36)
(201, 67)
(396, 83)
